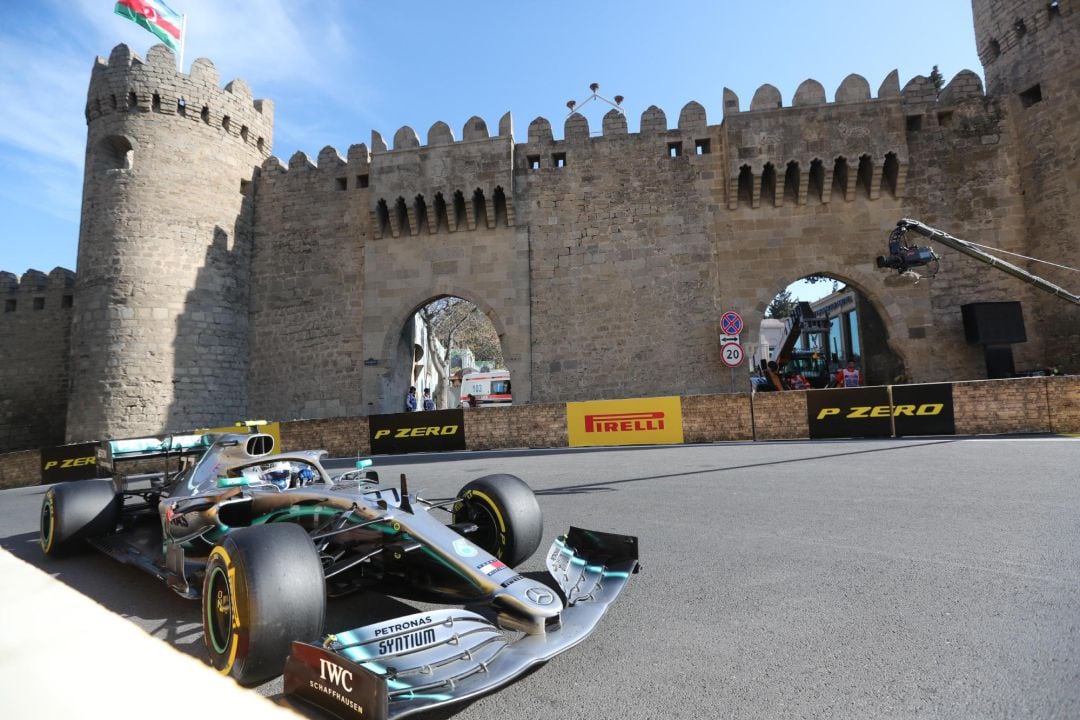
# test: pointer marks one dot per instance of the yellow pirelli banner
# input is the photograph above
(641, 421)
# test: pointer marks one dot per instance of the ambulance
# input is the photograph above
(487, 389)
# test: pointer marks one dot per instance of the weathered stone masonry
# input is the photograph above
(215, 282)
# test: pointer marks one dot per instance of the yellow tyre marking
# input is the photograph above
(52, 521)
(494, 508)
(230, 571)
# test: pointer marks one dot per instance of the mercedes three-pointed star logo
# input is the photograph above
(539, 596)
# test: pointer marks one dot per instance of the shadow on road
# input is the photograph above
(603, 486)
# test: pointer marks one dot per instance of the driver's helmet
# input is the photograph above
(278, 476)
(305, 476)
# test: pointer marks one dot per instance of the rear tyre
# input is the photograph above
(508, 518)
(72, 513)
(263, 588)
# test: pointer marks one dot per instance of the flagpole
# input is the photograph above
(183, 39)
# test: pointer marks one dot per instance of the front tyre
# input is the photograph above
(263, 588)
(72, 513)
(508, 518)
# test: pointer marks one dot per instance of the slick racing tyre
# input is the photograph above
(74, 512)
(263, 588)
(508, 518)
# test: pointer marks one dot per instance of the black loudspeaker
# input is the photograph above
(999, 362)
(994, 323)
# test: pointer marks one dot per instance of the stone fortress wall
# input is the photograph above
(604, 261)
(35, 322)
(1030, 50)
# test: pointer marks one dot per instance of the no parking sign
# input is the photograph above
(730, 323)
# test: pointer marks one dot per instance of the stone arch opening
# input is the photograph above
(114, 152)
(421, 211)
(746, 186)
(459, 210)
(442, 220)
(839, 319)
(840, 178)
(768, 185)
(500, 207)
(864, 179)
(382, 218)
(890, 172)
(479, 206)
(400, 224)
(816, 186)
(440, 341)
(792, 178)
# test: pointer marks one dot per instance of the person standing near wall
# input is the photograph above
(410, 400)
(798, 382)
(772, 372)
(849, 376)
(429, 402)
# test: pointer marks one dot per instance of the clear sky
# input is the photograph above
(338, 69)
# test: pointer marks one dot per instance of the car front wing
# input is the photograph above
(398, 667)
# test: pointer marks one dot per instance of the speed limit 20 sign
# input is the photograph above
(731, 354)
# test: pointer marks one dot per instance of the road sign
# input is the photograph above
(725, 339)
(730, 323)
(731, 354)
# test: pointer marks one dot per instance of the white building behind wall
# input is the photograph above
(844, 334)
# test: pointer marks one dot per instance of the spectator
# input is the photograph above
(429, 402)
(849, 376)
(410, 400)
(467, 401)
(798, 382)
(773, 374)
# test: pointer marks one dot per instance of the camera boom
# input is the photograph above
(903, 256)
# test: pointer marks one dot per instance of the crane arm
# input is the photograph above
(907, 259)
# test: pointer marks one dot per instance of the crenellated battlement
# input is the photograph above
(125, 83)
(445, 185)
(36, 290)
(812, 150)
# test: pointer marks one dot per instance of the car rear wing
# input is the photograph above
(111, 452)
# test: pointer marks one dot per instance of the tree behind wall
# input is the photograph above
(781, 306)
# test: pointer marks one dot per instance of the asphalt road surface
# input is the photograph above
(935, 578)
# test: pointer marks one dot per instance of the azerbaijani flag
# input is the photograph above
(155, 16)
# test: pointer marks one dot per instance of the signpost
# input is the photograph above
(731, 350)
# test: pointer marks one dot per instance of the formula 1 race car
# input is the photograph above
(263, 538)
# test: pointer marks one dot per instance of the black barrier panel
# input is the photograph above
(432, 431)
(849, 412)
(923, 409)
(68, 462)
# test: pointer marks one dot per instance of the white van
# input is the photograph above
(486, 388)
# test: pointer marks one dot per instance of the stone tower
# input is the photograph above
(1030, 51)
(160, 330)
